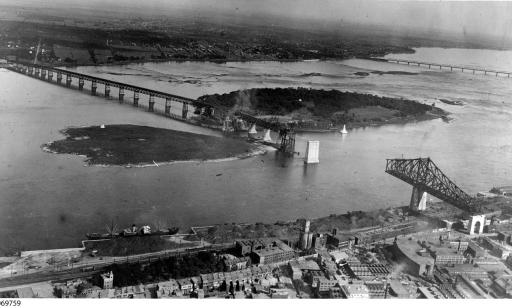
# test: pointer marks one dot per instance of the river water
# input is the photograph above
(51, 201)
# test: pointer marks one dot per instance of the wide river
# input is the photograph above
(51, 201)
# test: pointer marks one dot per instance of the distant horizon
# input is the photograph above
(464, 19)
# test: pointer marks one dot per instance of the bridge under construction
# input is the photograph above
(286, 142)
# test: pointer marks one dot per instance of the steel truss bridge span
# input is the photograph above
(425, 176)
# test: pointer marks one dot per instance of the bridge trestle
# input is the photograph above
(135, 98)
(167, 106)
(121, 94)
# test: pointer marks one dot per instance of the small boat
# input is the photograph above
(344, 130)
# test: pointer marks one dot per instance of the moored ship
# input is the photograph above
(132, 231)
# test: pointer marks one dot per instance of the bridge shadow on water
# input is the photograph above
(282, 159)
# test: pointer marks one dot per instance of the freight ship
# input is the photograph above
(132, 231)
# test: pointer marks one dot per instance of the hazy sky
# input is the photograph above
(470, 17)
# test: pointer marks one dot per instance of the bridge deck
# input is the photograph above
(468, 68)
(244, 115)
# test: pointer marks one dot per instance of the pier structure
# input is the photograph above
(286, 142)
(286, 134)
(312, 151)
(121, 94)
(473, 70)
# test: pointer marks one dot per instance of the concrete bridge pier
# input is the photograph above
(252, 131)
(94, 86)
(418, 200)
(167, 106)
(135, 98)
(107, 91)
(267, 137)
(81, 84)
(184, 111)
(151, 106)
(59, 77)
(68, 81)
(121, 94)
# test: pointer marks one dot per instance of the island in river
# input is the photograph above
(142, 145)
(306, 105)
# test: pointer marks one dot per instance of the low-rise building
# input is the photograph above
(396, 289)
(339, 241)
(360, 271)
(355, 291)
(235, 264)
(299, 267)
(245, 247)
(324, 283)
(503, 286)
(500, 250)
(339, 256)
(469, 289)
(107, 280)
(474, 251)
(274, 254)
(469, 270)
(377, 289)
(448, 255)
(505, 236)
(136, 291)
(25, 292)
(186, 285)
(167, 288)
(335, 292)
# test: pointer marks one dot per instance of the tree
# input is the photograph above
(57, 292)
(223, 286)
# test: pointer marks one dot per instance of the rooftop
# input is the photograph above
(411, 248)
(309, 265)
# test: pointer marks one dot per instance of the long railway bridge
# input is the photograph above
(53, 74)
(430, 65)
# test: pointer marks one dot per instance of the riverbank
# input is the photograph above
(140, 146)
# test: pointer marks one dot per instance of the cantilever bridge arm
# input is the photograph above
(424, 174)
